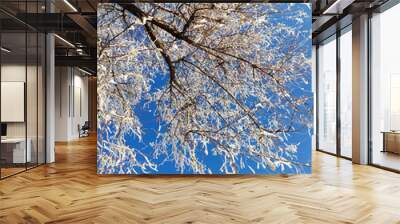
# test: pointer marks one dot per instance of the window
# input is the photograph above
(385, 89)
(327, 96)
(346, 93)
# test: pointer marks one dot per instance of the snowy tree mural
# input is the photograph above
(207, 88)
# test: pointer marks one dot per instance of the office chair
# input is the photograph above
(84, 130)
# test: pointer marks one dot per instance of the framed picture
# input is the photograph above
(204, 88)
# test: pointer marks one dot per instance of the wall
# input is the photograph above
(15, 72)
(71, 102)
(80, 102)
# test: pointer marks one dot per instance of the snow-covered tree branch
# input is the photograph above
(223, 80)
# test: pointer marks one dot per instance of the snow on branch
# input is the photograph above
(238, 86)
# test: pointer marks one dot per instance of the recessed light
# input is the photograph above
(70, 5)
(5, 50)
(337, 7)
(84, 71)
(64, 40)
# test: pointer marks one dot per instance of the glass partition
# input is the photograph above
(22, 78)
(32, 98)
(13, 94)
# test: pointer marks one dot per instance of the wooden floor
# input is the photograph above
(9, 171)
(386, 159)
(69, 191)
(5, 172)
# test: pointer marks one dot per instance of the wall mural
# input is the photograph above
(204, 88)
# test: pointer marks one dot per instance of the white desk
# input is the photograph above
(18, 144)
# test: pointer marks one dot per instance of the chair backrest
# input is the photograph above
(86, 125)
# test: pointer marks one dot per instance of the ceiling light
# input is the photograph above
(84, 71)
(5, 50)
(70, 5)
(79, 51)
(65, 41)
(338, 6)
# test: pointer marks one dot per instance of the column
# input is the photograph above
(360, 90)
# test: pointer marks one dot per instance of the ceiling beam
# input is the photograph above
(86, 26)
(320, 22)
(49, 22)
(78, 61)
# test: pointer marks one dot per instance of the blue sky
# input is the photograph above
(147, 116)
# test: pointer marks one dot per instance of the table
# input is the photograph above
(13, 150)
(391, 141)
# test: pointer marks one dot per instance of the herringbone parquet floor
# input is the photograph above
(69, 191)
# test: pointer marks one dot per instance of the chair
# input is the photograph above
(84, 130)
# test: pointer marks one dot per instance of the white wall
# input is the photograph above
(17, 73)
(62, 81)
(71, 102)
(12, 73)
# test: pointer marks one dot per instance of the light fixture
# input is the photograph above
(65, 41)
(5, 50)
(331, 7)
(70, 5)
(337, 7)
(84, 71)
(79, 50)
